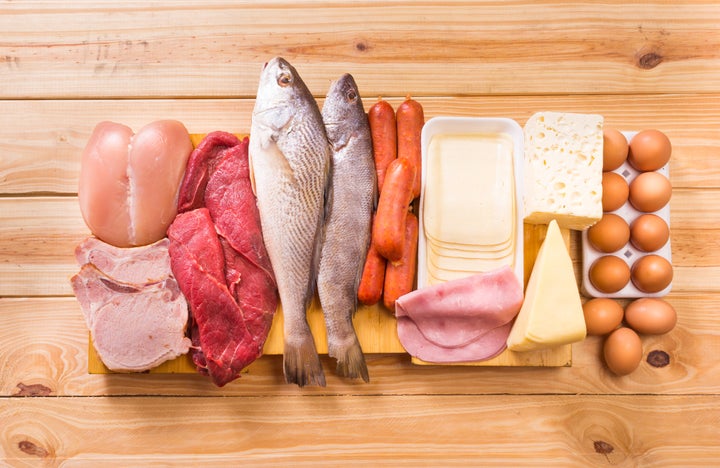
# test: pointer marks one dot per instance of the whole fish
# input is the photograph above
(290, 157)
(346, 237)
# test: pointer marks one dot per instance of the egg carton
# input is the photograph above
(628, 253)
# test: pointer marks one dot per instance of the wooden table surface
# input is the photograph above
(65, 66)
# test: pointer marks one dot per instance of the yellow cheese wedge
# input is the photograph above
(551, 314)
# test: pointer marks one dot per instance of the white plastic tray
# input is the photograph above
(475, 125)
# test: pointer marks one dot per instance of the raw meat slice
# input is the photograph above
(218, 255)
(226, 345)
(147, 264)
(134, 327)
(466, 319)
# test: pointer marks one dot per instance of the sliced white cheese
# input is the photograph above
(551, 314)
(469, 194)
(469, 213)
(563, 169)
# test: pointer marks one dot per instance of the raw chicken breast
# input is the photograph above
(129, 183)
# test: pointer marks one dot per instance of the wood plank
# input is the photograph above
(41, 151)
(443, 430)
(38, 236)
(106, 49)
(45, 348)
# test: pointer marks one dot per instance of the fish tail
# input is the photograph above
(302, 364)
(350, 360)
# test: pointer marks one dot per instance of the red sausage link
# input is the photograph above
(383, 130)
(371, 284)
(410, 120)
(389, 228)
(400, 275)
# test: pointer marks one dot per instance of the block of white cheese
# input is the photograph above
(563, 169)
(551, 314)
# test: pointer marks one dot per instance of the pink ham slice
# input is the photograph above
(134, 327)
(463, 320)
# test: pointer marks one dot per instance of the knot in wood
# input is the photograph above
(649, 60)
(33, 390)
(31, 449)
(603, 447)
(657, 358)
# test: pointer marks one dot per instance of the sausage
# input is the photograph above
(383, 130)
(400, 275)
(388, 230)
(410, 120)
(373, 276)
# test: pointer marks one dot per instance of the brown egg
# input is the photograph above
(650, 191)
(615, 191)
(649, 150)
(609, 274)
(615, 149)
(602, 315)
(649, 232)
(652, 273)
(623, 351)
(650, 316)
(609, 234)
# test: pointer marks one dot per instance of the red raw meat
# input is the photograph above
(218, 255)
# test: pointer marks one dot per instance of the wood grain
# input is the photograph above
(41, 151)
(38, 236)
(65, 66)
(444, 430)
(105, 49)
(45, 344)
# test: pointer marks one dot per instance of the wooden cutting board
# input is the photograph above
(376, 328)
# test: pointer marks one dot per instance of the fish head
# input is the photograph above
(343, 111)
(281, 96)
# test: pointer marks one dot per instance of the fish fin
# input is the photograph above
(350, 360)
(301, 363)
(320, 233)
(252, 173)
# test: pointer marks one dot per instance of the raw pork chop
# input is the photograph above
(147, 264)
(135, 326)
(218, 255)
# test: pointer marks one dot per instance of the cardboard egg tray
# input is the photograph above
(629, 253)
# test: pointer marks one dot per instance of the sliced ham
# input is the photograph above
(462, 320)
(134, 327)
(129, 182)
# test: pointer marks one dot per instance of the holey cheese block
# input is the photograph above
(563, 169)
(376, 326)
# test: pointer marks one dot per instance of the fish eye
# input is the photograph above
(351, 95)
(284, 79)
